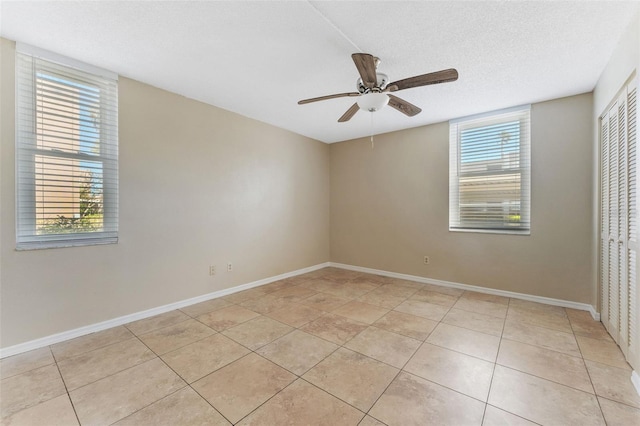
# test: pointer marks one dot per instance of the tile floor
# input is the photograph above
(332, 347)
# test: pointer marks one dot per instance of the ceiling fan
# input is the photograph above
(374, 89)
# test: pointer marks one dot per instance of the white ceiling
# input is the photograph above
(259, 58)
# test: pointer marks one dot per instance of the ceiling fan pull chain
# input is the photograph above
(371, 129)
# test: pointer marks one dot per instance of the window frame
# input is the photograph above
(457, 126)
(27, 151)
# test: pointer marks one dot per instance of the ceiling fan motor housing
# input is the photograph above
(382, 81)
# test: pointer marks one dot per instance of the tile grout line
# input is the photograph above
(243, 356)
(207, 401)
(96, 349)
(637, 408)
(496, 364)
(439, 384)
(149, 405)
(595, 393)
(494, 369)
(334, 396)
(264, 402)
(73, 407)
(364, 413)
(597, 362)
(400, 370)
(298, 377)
(68, 393)
(327, 356)
(493, 372)
(543, 327)
(128, 368)
(34, 368)
(514, 415)
(163, 327)
(268, 360)
(115, 372)
(156, 356)
(187, 384)
(545, 379)
(549, 380)
(541, 347)
(459, 352)
(551, 350)
(93, 349)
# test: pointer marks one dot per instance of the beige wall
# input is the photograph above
(198, 186)
(389, 208)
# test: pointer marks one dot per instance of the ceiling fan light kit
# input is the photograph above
(374, 88)
(373, 101)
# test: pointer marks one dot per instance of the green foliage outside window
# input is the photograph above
(89, 217)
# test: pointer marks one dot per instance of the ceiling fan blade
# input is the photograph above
(322, 98)
(403, 106)
(437, 77)
(350, 113)
(366, 65)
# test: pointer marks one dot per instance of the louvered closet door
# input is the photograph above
(622, 299)
(631, 328)
(618, 242)
(613, 260)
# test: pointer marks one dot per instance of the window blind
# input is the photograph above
(67, 152)
(489, 166)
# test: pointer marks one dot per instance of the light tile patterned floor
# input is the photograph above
(332, 347)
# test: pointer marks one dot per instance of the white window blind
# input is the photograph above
(67, 152)
(490, 172)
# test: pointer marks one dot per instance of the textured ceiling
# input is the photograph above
(259, 58)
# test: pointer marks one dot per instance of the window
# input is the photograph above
(490, 168)
(67, 152)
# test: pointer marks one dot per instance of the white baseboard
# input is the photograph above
(523, 296)
(88, 329)
(635, 379)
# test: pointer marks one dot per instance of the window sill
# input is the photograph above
(524, 232)
(43, 245)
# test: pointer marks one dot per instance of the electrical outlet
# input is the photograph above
(212, 270)
(426, 260)
(229, 267)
